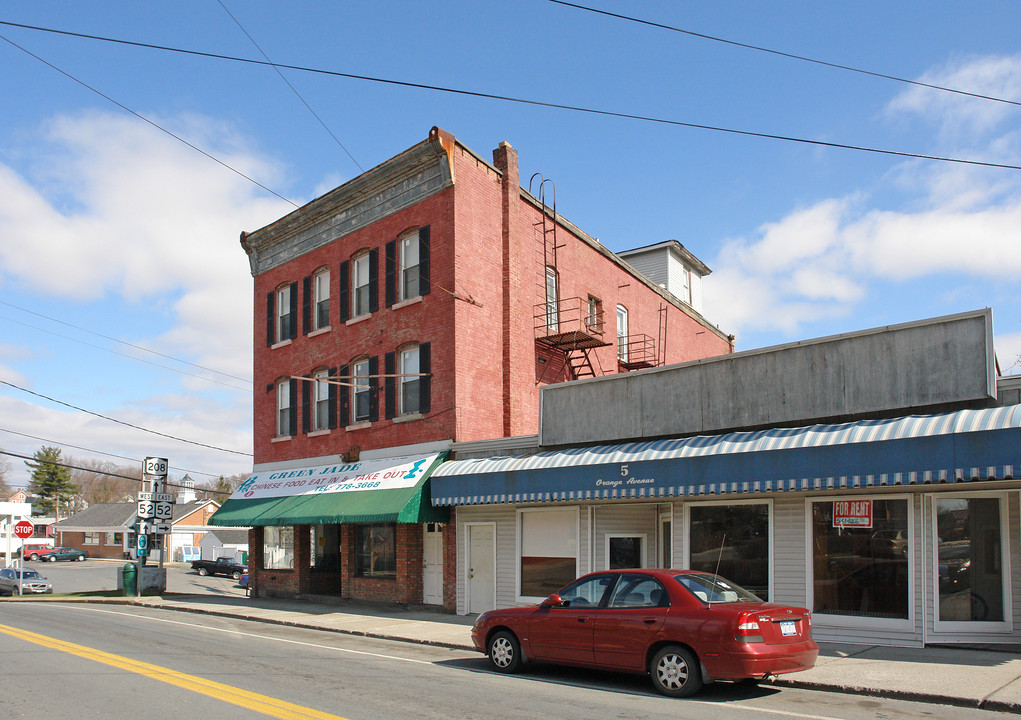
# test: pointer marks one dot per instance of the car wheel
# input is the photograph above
(52, 559)
(237, 575)
(675, 671)
(504, 652)
(203, 571)
(81, 558)
(33, 556)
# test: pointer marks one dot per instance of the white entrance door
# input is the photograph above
(481, 568)
(432, 561)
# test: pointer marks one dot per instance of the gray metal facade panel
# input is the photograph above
(933, 364)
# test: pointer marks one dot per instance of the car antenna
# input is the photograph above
(719, 559)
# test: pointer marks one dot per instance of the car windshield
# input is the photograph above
(715, 589)
(29, 574)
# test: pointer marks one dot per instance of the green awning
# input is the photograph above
(386, 490)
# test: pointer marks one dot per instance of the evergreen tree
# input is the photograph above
(50, 481)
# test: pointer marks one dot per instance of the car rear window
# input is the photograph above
(715, 589)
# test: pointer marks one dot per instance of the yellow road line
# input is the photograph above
(253, 701)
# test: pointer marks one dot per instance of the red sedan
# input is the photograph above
(683, 628)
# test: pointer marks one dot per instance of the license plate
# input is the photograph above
(788, 628)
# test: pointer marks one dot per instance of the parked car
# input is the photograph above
(683, 628)
(31, 582)
(220, 566)
(65, 553)
(34, 552)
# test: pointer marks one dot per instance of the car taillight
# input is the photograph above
(748, 629)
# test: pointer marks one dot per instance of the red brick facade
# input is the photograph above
(488, 252)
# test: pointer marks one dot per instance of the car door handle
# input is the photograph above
(649, 621)
(582, 619)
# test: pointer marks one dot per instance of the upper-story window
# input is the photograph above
(594, 317)
(409, 381)
(686, 285)
(285, 391)
(281, 314)
(361, 391)
(622, 333)
(552, 293)
(320, 400)
(284, 313)
(321, 298)
(360, 285)
(407, 266)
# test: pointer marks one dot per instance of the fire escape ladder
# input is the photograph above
(580, 362)
(661, 346)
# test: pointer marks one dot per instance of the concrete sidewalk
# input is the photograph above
(987, 678)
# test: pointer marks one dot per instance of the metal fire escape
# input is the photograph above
(568, 329)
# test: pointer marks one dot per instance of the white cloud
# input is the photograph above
(822, 260)
(1008, 352)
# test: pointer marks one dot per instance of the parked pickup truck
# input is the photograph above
(219, 566)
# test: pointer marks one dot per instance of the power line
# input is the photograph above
(293, 89)
(101, 452)
(108, 474)
(123, 342)
(507, 98)
(125, 355)
(122, 422)
(792, 56)
(125, 108)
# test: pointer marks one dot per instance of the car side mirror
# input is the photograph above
(552, 601)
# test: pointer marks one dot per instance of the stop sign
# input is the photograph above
(23, 529)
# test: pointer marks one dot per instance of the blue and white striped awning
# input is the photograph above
(951, 447)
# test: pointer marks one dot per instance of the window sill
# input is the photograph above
(358, 318)
(282, 438)
(404, 303)
(320, 331)
(319, 433)
(358, 426)
(408, 418)
(282, 343)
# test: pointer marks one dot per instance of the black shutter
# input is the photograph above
(306, 305)
(424, 382)
(292, 412)
(374, 280)
(345, 291)
(306, 404)
(270, 317)
(390, 384)
(423, 261)
(374, 388)
(345, 395)
(390, 272)
(331, 412)
(293, 321)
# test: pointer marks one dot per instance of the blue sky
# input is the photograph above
(112, 230)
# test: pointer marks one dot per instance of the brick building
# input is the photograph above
(424, 303)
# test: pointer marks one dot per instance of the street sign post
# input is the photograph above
(156, 504)
(23, 529)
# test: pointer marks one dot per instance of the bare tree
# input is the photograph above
(5, 470)
(102, 481)
(219, 489)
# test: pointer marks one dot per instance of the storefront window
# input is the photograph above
(278, 548)
(860, 549)
(969, 555)
(549, 550)
(376, 551)
(735, 539)
(325, 548)
(625, 551)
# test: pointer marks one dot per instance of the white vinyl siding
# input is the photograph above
(623, 520)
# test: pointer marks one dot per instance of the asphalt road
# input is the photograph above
(90, 575)
(79, 661)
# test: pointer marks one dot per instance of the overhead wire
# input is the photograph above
(293, 89)
(493, 96)
(124, 342)
(122, 422)
(125, 355)
(141, 117)
(109, 474)
(792, 56)
(101, 452)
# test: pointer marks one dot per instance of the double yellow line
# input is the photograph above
(242, 698)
